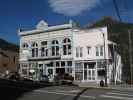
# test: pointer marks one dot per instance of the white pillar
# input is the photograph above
(83, 70)
(96, 76)
(73, 69)
(54, 64)
(60, 64)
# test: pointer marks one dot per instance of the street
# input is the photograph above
(76, 93)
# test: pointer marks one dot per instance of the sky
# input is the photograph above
(25, 14)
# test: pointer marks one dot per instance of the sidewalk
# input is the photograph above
(116, 87)
(122, 87)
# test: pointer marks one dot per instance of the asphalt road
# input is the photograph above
(76, 93)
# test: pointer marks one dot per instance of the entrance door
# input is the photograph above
(89, 71)
(50, 74)
(40, 71)
(91, 74)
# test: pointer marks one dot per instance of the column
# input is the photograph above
(96, 78)
(28, 69)
(83, 70)
(60, 64)
(20, 69)
(73, 69)
(66, 71)
(54, 68)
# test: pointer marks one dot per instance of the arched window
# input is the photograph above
(55, 48)
(24, 45)
(44, 49)
(66, 46)
(34, 47)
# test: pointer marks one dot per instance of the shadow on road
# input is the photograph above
(11, 90)
(80, 93)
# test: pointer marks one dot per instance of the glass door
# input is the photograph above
(91, 74)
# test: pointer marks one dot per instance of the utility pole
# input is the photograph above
(105, 62)
(130, 55)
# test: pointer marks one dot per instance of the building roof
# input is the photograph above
(42, 26)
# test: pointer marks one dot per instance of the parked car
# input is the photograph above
(13, 76)
(44, 79)
(63, 79)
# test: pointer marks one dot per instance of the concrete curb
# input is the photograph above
(107, 88)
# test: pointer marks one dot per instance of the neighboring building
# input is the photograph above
(49, 50)
(8, 57)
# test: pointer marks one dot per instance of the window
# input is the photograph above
(62, 63)
(69, 63)
(78, 71)
(79, 52)
(24, 69)
(101, 72)
(50, 64)
(44, 50)
(57, 64)
(55, 48)
(44, 43)
(34, 49)
(99, 51)
(66, 46)
(88, 50)
(24, 45)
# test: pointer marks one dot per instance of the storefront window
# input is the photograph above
(78, 71)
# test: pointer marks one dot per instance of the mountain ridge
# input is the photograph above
(5, 45)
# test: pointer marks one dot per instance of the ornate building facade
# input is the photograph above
(86, 54)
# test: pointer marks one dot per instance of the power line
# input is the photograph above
(117, 10)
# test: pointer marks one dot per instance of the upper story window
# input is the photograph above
(34, 49)
(88, 50)
(24, 45)
(44, 43)
(79, 51)
(99, 50)
(55, 48)
(44, 50)
(66, 46)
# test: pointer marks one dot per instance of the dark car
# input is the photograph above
(13, 76)
(63, 79)
(44, 78)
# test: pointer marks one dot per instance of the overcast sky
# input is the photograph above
(26, 14)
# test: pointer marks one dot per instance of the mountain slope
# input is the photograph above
(8, 46)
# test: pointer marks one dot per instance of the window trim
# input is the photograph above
(99, 50)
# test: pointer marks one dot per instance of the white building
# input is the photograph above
(83, 53)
